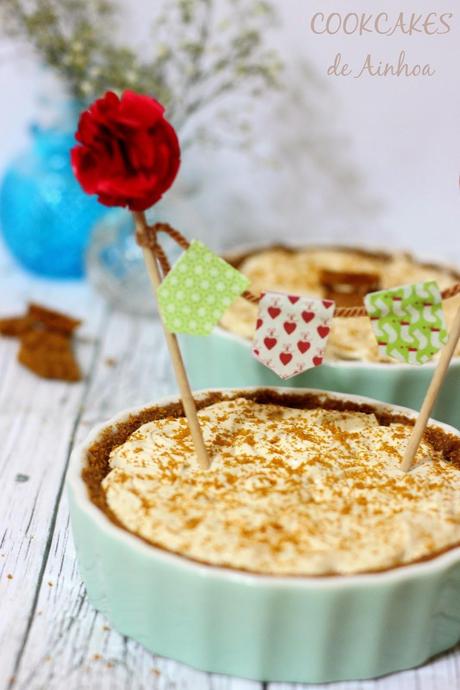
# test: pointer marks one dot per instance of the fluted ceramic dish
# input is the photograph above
(300, 629)
(224, 359)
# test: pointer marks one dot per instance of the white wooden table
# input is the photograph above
(50, 636)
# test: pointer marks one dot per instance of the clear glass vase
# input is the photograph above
(45, 217)
(115, 264)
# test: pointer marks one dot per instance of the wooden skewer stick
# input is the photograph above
(176, 356)
(432, 394)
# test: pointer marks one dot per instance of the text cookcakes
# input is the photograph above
(289, 492)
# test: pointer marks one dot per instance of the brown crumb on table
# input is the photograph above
(156, 671)
(50, 584)
(15, 326)
(52, 320)
(97, 657)
(9, 576)
(49, 355)
(106, 627)
(45, 342)
(111, 361)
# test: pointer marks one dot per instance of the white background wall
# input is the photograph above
(375, 160)
(406, 131)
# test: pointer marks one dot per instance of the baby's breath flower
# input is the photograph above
(86, 87)
(203, 51)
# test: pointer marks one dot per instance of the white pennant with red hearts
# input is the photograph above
(291, 332)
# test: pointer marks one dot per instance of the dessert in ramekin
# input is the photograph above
(303, 554)
(352, 363)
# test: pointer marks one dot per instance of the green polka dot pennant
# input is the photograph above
(408, 321)
(198, 290)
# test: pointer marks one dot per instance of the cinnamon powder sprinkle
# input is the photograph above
(318, 492)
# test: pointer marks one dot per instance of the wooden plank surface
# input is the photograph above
(37, 421)
(50, 637)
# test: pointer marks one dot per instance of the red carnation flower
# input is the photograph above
(128, 153)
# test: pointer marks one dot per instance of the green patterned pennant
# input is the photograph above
(198, 290)
(408, 321)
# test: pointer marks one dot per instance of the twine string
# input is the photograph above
(148, 237)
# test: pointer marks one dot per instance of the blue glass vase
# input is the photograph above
(45, 217)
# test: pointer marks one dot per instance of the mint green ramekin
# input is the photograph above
(224, 359)
(299, 629)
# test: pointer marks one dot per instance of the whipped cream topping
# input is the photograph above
(299, 272)
(289, 491)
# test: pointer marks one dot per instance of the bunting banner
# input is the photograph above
(198, 290)
(291, 332)
(408, 321)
